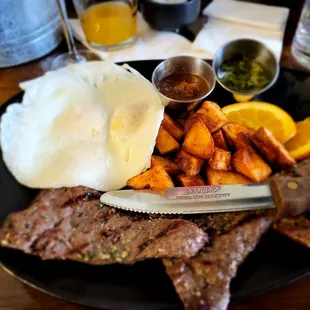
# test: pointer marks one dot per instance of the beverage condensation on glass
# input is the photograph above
(108, 25)
(301, 42)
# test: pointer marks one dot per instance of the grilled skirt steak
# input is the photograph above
(296, 228)
(202, 282)
(71, 223)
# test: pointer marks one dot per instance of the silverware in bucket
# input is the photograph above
(29, 29)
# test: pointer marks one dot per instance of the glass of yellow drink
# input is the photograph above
(108, 24)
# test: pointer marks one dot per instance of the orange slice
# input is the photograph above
(243, 98)
(256, 114)
(299, 145)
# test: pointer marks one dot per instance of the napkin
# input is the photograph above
(151, 44)
(230, 20)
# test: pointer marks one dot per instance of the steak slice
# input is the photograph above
(202, 282)
(296, 228)
(71, 223)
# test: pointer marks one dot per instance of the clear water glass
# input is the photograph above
(301, 42)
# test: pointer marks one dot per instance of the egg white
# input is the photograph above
(92, 124)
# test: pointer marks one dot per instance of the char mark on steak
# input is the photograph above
(71, 223)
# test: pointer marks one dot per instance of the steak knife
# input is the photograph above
(285, 193)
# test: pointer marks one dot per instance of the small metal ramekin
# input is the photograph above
(183, 64)
(247, 48)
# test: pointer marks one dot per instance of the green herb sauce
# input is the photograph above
(244, 75)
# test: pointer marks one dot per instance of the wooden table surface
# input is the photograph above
(17, 296)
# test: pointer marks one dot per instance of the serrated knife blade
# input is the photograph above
(193, 200)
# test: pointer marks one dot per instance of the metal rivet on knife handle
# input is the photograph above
(292, 185)
(291, 195)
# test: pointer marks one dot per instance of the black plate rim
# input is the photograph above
(267, 289)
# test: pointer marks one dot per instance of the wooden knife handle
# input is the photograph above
(291, 195)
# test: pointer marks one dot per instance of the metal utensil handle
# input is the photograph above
(66, 27)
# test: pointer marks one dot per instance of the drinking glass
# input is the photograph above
(301, 42)
(74, 55)
(108, 24)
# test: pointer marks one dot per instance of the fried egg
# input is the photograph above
(92, 124)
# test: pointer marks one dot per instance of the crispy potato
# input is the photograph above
(218, 177)
(196, 180)
(173, 127)
(221, 160)
(192, 106)
(155, 178)
(219, 140)
(210, 105)
(247, 162)
(198, 116)
(188, 163)
(214, 112)
(198, 141)
(165, 143)
(169, 165)
(272, 149)
(237, 134)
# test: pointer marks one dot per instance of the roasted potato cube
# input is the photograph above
(210, 105)
(218, 177)
(155, 178)
(169, 165)
(198, 141)
(192, 106)
(198, 116)
(165, 143)
(221, 160)
(237, 134)
(272, 149)
(190, 164)
(214, 112)
(247, 162)
(219, 140)
(173, 127)
(196, 180)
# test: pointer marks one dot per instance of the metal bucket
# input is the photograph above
(29, 29)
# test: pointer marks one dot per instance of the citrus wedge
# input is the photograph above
(299, 145)
(243, 98)
(255, 114)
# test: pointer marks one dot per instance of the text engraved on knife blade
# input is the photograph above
(200, 192)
